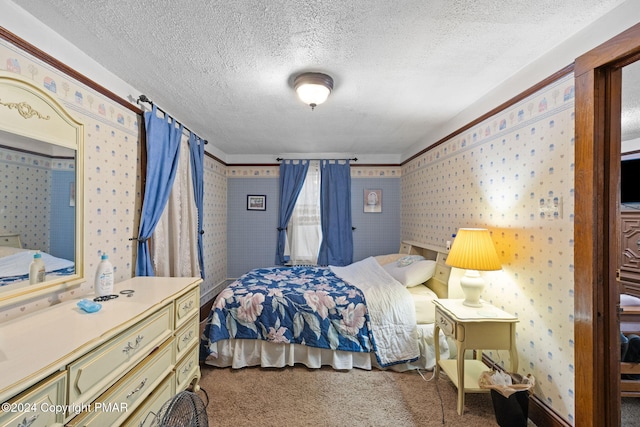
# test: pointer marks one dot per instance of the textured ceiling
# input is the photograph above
(401, 68)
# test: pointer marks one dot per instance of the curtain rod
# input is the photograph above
(143, 98)
(279, 159)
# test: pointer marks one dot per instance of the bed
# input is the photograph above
(15, 261)
(377, 312)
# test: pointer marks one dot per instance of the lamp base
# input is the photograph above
(472, 285)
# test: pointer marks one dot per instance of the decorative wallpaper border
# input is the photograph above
(523, 115)
(274, 171)
(375, 171)
(253, 171)
(10, 156)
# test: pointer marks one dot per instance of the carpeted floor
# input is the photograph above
(630, 412)
(298, 396)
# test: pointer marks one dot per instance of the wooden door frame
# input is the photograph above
(597, 157)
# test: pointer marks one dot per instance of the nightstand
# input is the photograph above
(472, 328)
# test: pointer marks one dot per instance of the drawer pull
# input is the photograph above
(137, 389)
(187, 306)
(187, 337)
(27, 422)
(135, 346)
(187, 368)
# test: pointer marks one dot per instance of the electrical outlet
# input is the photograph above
(550, 207)
(448, 245)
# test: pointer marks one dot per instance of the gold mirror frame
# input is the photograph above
(29, 111)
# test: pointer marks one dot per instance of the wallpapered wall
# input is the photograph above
(112, 181)
(27, 203)
(495, 176)
(214, 240)
(255, 231)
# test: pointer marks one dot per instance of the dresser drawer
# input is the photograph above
(187, 370)
(41, 405)
(92, 374)
(113, 407)
(446, 324)
(186, 306)
(149, 409)
(187, 337)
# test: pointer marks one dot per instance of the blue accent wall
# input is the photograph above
(252, 235)
(376, 233)
(62, 233)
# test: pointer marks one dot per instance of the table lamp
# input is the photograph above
(474, 251)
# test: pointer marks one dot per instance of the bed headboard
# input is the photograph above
(440, 280)
(11, 240)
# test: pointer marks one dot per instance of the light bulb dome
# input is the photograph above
(313, 88)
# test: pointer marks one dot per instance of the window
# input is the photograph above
(304, 231)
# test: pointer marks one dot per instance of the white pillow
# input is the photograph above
(386, 259)
(413, 274)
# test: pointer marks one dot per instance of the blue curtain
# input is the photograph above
(163, 150)
(335, 207)
(196, 146)
(292, 177)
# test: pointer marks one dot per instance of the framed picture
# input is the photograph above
(256, 203)
(372, 200)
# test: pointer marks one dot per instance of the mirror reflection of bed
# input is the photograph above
(280, 316)
(15, 261)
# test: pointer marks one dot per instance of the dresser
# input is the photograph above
(63, 366)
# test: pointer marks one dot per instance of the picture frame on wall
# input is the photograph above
(256, 202)
(372, 200)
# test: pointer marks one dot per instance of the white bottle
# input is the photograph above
(36, 269)
(104, 277)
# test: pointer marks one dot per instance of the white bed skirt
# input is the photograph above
(239, 353)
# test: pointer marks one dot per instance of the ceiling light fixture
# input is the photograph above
(313, 88)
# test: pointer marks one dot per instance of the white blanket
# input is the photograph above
(391, 310)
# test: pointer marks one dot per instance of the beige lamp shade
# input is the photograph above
(473, 249)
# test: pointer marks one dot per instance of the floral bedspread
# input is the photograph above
(298, 305)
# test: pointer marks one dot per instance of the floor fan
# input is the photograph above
(185, 409)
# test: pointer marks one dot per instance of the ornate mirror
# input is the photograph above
(41, 203)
